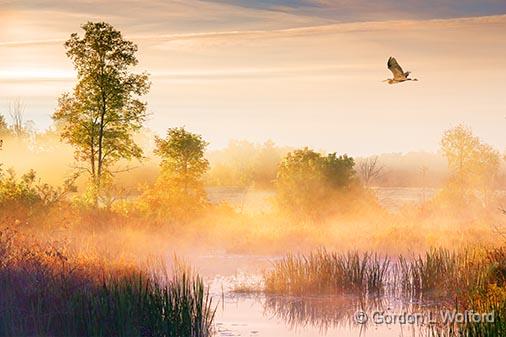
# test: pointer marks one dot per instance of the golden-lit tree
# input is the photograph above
(473, 165)
(459, 147)
(179, 190)
(4, 127)
(307, 181)
(182, 154)
(486, 169)
(4, 131)
(101, 115)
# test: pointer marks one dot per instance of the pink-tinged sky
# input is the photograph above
(297, 72)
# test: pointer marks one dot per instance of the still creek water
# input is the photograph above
(252, 315)
(258, 315)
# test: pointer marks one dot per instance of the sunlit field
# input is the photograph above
(118, 219)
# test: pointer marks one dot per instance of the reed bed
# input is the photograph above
(439, 273)
(45, 293)
(324, 272)
(493, 300)
(466, 281)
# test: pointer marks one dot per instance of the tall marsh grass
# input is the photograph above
(439, 273)
(324, 272)
(470, 280)
(45, 293)
(492, 300)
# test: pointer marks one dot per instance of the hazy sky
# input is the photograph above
(303, 72)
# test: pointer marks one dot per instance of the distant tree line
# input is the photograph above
(105, 110)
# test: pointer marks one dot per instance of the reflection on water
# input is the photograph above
(280, 316)
(258, 314)
(320, 312)
(353, 312)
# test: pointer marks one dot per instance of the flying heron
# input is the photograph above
(399, 74)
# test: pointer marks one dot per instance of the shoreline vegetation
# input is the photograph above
(436, 274)
(439, 280)
(46, 292)
(50, 292)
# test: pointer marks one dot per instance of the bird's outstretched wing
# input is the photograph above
(396, 69)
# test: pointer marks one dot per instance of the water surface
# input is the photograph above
(257, 314)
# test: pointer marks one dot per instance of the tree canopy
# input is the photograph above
(104, 110)
(307, 181)
(179, 190)
(4, 127)
(473, 165)
(182, 155)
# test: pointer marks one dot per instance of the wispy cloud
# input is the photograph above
(30, 42)
(366, 10)
(353, 27)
